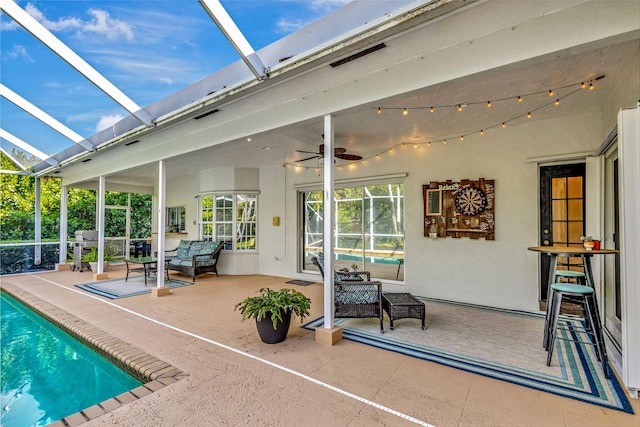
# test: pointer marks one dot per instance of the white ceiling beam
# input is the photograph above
(73, 59)
(26, 147)
(235, 37)
(44, 117)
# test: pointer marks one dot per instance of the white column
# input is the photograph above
(37, 226)
(102, 183)
(629, 176)
(329, 219)
(162, 212)
(64, 226)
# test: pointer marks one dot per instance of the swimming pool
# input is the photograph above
(46, 374)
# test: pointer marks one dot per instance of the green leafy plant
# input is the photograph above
(92, 255)
(275, 302)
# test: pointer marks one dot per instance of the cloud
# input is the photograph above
(286, 25)
(328, 4)
(100, 22)
(108, 121)
(19, 51)
(62, 24)
(113, 29)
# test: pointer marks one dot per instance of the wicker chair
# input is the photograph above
(355, 295)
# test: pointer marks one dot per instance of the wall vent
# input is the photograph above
(358, 55)
(208, 113)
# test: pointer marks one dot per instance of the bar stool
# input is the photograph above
(591, 319)
(579, 276)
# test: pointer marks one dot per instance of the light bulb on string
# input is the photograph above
(488, 104)
(504, 124)
(461, 137)
(431, 110)
(557, 102)
(444, 142)
(551, 93)
(459, 107)
(481, 132)
(519, 99)
(529, 115)
(591, 86)
(405, 112)
(415, 145)
(379, 110)
(583, 85)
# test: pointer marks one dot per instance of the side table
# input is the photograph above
(403, 306)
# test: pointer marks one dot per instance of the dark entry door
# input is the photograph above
(561, 215)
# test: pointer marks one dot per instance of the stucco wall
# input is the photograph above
(499, 273)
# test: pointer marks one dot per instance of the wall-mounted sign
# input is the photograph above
(460, 209)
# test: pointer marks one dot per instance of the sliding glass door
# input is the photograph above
(369, 230)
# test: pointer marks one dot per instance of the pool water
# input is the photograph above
(45, 374)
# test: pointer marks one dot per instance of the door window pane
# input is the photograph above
(574, 184)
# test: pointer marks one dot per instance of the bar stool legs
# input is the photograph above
(591, 319)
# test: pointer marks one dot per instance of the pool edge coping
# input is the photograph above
(153, 372)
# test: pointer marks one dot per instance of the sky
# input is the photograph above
(147, 48)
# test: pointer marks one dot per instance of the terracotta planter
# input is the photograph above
(272, 336)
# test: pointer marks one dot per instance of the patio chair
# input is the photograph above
(355, 295)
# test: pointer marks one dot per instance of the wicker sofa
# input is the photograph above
(194, 257)
(354, 294)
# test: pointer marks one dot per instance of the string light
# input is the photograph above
(405, 112)
(460, 106)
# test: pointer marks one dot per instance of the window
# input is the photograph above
(231, 218)
(176, 219)
(369, 229)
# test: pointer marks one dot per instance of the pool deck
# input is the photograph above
(222, 375)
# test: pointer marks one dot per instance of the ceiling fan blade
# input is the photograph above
(309, 152)
(308, 158)
(348, 156)
(339, 150)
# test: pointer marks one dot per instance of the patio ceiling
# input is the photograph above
(362, 131)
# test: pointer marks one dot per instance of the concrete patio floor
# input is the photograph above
(232, 380)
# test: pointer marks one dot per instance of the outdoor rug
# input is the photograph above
(300, 282)
(501, 344)
(118, 288)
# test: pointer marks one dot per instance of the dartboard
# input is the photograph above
(471, 201)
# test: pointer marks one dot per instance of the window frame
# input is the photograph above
(214, 221)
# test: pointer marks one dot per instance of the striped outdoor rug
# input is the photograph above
(500, 344)
(118, 288)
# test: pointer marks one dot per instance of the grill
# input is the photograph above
(85, 239)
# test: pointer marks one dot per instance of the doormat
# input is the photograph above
(300, 282)
(501, 344)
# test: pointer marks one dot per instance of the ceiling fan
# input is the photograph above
(338, 152)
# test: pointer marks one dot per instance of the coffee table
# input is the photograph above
(403, 305)
(143, 265)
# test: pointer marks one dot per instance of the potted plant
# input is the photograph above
(92, 258)
(272, 311)
(588, 242)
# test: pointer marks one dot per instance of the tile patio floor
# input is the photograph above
(228, 388)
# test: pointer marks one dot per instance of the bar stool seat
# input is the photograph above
(579, 276)
(591, 319)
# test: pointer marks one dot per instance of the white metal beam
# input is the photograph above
(73, 59)
(45, 118)
(236, 38)
(27, 147)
